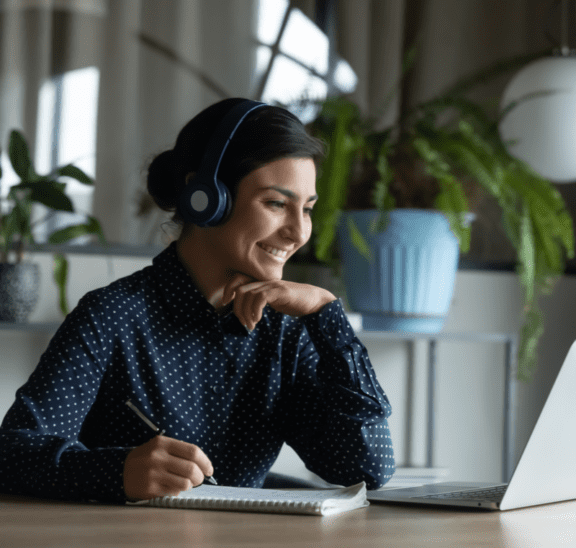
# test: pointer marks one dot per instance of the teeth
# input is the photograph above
(274, 251)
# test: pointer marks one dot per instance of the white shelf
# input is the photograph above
(29, 326)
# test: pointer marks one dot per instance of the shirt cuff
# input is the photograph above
(97, 474)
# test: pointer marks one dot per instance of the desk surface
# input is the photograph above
(28, 522)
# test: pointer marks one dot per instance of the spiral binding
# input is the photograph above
(288, 506)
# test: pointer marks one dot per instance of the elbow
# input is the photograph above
(378, 475)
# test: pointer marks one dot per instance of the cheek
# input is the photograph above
(248, 225)
(308, 230)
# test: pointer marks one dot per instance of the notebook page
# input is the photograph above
(310, 501)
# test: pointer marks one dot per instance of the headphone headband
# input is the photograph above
(223, 135)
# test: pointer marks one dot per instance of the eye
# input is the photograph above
(276, 204)
(308, 210)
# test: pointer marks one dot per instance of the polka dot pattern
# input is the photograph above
(152, 337)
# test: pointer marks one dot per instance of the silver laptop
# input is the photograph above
(546, 471)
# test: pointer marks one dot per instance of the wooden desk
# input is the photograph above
(28, 522)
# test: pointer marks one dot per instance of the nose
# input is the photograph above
(297, 228)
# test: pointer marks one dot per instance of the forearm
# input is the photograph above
(343, 436)
(52, 467)
(343, 359)
(343, 450)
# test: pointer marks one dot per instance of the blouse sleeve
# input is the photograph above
(338, 409)
(40, 453)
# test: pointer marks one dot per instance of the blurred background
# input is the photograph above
(108, 84)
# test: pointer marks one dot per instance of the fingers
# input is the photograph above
(249, 302)
(230, 288)
(294, 299)
(189, 453)
(164, 466)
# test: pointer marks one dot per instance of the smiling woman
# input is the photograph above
(265, 227)
(226, 357)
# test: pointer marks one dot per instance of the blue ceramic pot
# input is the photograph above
(409, 283)
(19, 291)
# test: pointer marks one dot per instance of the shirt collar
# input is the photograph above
(179, 290)
(183, 297)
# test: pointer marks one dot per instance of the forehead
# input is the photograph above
(296, 175)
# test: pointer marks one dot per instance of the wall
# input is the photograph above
(470, 379)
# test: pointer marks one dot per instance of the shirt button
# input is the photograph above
(217, 389)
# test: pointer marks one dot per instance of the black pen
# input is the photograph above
(158, 431)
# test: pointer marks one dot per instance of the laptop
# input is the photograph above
(545, 473)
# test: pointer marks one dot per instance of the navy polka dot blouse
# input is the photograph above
(153, 338)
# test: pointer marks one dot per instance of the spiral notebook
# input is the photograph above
(320, 502)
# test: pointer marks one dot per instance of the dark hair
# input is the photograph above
(268, 133)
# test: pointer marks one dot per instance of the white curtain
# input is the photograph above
(143, 98)
(146, 99)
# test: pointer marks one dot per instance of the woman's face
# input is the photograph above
(270, 219)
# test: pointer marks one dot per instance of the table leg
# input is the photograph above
(431, 390)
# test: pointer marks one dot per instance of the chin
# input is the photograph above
(269, 275)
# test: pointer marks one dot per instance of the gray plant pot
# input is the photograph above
(19, 291)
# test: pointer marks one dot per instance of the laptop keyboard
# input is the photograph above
(491, 494)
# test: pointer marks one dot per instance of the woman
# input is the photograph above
(209, 342)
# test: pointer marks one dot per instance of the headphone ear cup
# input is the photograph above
(227, 209)
(203, 204)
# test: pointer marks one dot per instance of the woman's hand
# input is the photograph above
(164, 466)
(290, 298)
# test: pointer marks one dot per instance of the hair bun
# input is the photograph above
(162, 182)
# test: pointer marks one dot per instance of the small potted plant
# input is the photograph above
(374, 184)
(19, 279)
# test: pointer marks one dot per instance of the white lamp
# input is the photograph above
(541, 128)
(540, 125)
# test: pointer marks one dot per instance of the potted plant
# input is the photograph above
(433, 160)
(19, 279)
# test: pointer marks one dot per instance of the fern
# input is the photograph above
(451, 138)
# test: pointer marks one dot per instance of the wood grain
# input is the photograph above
(32, 522)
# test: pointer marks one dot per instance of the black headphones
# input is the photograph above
(206, 200)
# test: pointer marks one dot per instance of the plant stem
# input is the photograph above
(19, 250)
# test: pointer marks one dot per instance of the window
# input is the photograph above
(66, 133)
(294, 60)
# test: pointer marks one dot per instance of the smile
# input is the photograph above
(278, 254)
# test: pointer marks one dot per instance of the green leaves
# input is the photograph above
(336, 120)
(20, 156)
(61, 280)
(531, 331)
(451, 199)
(71, 232)
(358, 240)
(75, 173)
(433, 149)
(533, 214)
(48, 191)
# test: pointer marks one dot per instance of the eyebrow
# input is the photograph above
(289, 193)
